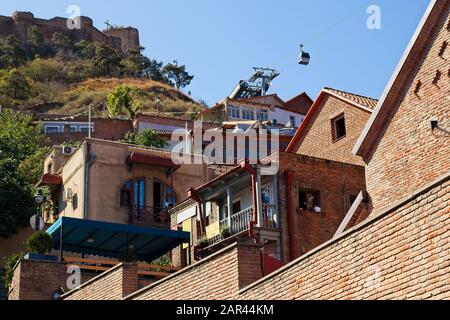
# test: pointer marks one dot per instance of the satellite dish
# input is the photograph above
(37, 223)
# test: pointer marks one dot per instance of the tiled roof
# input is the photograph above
(152, 159)
(299, 104)
(361, 100)
(50, 179)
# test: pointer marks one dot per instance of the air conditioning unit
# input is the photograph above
(68, 150)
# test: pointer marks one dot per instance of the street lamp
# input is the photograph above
(38, 198)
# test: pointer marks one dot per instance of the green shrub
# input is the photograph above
(39, 242)
(225, 232)
(203, 242)
(10, 263)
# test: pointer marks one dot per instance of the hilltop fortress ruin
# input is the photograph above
(119, 38)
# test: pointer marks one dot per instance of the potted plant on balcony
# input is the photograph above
(225, 232)
(39, 245)
(203, 242)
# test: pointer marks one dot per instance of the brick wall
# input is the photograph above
(113, 284)
(409, 154)
(215, 277)
(401, 253)
(38, 280)
(317, 138)
(335, 181)
(105, 129)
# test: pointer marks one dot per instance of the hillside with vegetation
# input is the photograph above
(62, 77)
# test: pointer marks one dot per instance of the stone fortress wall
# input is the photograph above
(120, 38)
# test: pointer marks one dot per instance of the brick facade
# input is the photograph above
(402, 253)
(104, 129)
(217, 277)
(407, 153)
(316, 139)
(113, 284)
(39, 280)
(337, 183)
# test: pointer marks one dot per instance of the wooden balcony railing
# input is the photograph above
(99, 266)
(150, 216)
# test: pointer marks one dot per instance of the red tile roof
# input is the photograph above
(299, 104)
(50, 179)
(367, 102)
(152, 159)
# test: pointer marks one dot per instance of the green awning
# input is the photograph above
(122, 241)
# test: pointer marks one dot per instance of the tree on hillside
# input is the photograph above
(106, 60)
(19, 142)
(12, 54)
(46, 70)
(61, 43)
(36, 42)
(85, 49)
(153, 70)
(147, 137)
(122, 102)
(133, 63)
(15, 86)
(177, 75)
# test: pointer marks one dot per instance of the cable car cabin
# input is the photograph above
(304, 58)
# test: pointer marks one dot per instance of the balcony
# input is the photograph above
(150, 216)
(239, 222)
(237, 225)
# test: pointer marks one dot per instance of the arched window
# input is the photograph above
(138, 192)
(125, 194)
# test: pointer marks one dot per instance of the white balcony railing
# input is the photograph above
(239, 221)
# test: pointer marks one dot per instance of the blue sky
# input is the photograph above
(220, 41)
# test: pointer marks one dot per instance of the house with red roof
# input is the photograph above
(263, 108)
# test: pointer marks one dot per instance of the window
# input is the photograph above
(262, 115)
(248, 114)
(139, 193)
(125, 195)
(73, 129)
(233, 112)
(338, 127)
(309, 200)
(51, 129)
(86, 129)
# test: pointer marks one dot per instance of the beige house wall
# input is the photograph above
(109, 172)
(73, 178)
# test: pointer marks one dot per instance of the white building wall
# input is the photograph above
(283, 116)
